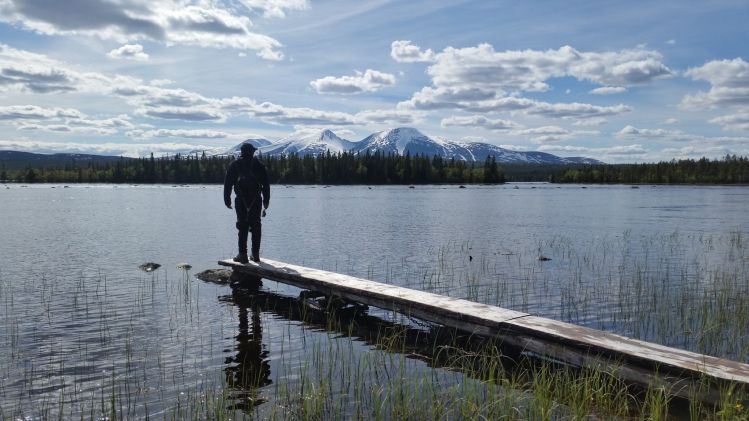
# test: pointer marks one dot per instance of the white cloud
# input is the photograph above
(608, 90)
(407, 52)
(186, 113)
(626, 150)
(671, 120)
(369, 81)
(734, 122)
(129, 52)
(60, 120)
(729, 80)
(188, 22)
(480, 121)
(483, 101)
(33, 112)
(630, 131)
(552, 133)
(26, 71)
(185, 133)
(275, 8)
(482, 67)
(278, 114)
(67, 128)
(389, 117)
(161, 82)
(107, 148)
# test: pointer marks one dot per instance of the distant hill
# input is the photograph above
(15, 160)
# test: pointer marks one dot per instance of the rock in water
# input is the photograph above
(544, 258)
(184, 266)
(216, 276)
(149, 267)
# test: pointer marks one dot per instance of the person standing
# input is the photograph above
(249, 179)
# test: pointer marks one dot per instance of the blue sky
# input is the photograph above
(618, 81)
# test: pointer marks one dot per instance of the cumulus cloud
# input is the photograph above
(630, 131)
(528, 70)
(671, 120)
(67, 128)
(275, 8)
(626, 150)
(408, 52)
(129, 52)
(189, 22)
(608, 90)
(482, 80)
(22, 70)
(545, 134)
(389, 117)
(33, 112)
(60, 120)
(480, 121)
(369, 81)
(430, 99)
(734, 122)
(278, 114)
(185, 133)
(194, 113)
(729, 80)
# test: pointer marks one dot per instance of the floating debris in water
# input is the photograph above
(461, 187)
(149, 267)
(543, 258)
(184, 266)
(411, 187)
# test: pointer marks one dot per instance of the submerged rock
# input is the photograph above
(149, 267)
(216, 276)
(184, 266)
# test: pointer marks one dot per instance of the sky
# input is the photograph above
(620, 81)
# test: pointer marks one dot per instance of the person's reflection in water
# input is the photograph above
(248, 370)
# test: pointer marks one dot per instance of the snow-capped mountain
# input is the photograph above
(257, 142)
(401, 141)
(314, 143)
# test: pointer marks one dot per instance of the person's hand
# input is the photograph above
(227, 203)
(265, 204)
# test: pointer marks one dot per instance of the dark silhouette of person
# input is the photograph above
(249, 369)
(249, 179)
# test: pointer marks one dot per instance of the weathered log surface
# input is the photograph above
(634, 360)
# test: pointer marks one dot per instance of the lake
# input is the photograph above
(83, 328)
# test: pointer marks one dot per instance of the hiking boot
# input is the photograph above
(256, 258)
(241, 258)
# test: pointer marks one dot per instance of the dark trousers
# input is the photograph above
(248, 220)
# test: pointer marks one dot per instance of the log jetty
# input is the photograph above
(685, 374)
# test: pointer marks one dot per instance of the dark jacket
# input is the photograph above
(248, 177)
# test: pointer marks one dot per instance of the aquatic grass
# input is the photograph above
(685, 291)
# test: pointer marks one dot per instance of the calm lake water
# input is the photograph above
(79, 323)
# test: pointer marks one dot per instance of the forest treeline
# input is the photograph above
(377, 168)
(340, 168)
(729, 170)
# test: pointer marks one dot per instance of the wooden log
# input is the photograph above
(684, 373)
